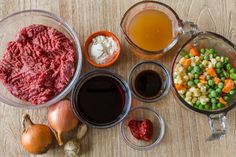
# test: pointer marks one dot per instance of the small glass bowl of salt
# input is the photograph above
(102, 49)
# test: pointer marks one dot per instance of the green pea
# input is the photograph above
(196, 76)
(231, 92)
(193, 72)
(213, 93)
(213, 100)
(218, 90)
(200, 106)
(190, 83)
(219, 105)
(226, 98)
(235, 82)
(207, 86)
(208, 77)
(226, 59)
(210, 89)
(198, 102)
(210, 82)
(225, 74)
(222, 79)
(207, 107)
(187, 56)
(202, 50)
(201, 66)
(196, 69)
(212, 51)
(228, 66)
(196, 81)
(233, 76)
(220, 85)
(190, 68)
(231, 70)
(206, 57)
(214, 106)
(218, 65)
(218, 71)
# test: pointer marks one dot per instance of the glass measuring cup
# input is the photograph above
(217, 118)
(179, 27)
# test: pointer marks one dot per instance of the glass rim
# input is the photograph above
(176, 93)
(78, 65)
(169, 46)
(166, 90)
(157, 141)
(119, 79)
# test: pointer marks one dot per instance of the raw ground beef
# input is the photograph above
(38, 64)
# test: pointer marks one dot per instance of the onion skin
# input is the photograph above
(62, 119)
(36, 138)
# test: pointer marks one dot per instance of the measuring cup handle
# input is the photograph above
(189, 28)
(218, 126)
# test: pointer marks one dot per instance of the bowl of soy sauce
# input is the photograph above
(149, 81)
(101, 99)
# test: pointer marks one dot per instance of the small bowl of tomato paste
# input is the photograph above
(143, 128)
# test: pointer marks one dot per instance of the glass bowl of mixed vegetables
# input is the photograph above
(204, 75)
(204, 78)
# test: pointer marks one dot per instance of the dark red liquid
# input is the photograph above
(101, 100)
(148, 83)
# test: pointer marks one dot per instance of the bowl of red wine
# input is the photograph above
(101, 99)
(149, 81)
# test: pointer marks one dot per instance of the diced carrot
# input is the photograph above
(203, 81)
(222, 101)
(211, 72)
(178, 86)
(228, 85)
(216, 80)
(194, 52)
(186, 63)
(202, 77)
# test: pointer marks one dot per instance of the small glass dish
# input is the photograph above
(141, 113)
(123, 86)
(156, 67)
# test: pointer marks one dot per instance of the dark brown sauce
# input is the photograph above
(101, 100)
(148, 83)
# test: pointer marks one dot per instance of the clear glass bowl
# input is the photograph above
(11, 25)
(141, 113)
(207, 40)
(112, 75)
(157, 67)
(223, 47)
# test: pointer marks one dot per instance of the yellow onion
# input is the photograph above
(62, 119)
(36, 138)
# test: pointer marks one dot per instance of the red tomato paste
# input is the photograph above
(38, 64)
(141, 129)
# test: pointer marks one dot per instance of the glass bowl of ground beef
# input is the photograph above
(40, 59)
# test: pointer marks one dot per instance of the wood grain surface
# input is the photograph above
(186, 131)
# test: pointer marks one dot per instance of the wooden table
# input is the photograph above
(186, 131)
